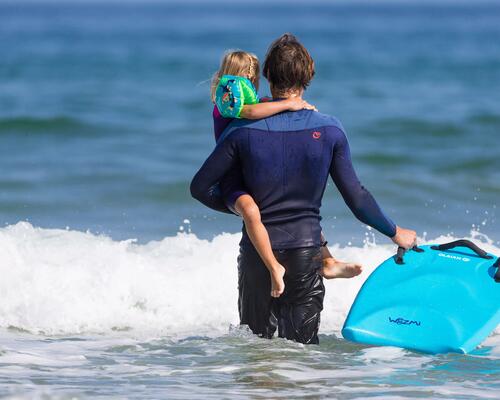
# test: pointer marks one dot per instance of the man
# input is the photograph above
(285, 161)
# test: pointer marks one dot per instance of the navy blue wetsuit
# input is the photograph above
(285, 161)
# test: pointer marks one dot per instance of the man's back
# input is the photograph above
(285, 161)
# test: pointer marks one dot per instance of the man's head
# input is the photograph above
(288, 66)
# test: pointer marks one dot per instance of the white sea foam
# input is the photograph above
(64, 282)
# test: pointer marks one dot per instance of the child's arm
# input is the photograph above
(263, 110)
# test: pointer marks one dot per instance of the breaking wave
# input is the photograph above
(58, 281)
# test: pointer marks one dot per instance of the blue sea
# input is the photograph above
(115, 283)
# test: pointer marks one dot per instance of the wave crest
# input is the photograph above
(68, 282)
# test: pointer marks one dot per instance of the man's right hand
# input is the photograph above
(405, 238)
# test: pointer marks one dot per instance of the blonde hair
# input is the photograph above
(238, 63)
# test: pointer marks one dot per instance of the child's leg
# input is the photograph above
(333, 268)
(246, 207)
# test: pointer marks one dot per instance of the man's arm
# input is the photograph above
(204, 186)
(358, 199)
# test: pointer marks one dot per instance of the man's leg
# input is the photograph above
(301, 304)
(255, 303)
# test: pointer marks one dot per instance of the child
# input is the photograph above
(234, 92)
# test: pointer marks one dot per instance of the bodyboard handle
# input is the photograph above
(497, 274)
(463, 243)
(401, 252)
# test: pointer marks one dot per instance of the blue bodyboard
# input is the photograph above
(431, 300)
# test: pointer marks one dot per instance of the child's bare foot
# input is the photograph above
(277, 282)
(333, 268)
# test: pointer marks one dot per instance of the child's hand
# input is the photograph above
(296, 104)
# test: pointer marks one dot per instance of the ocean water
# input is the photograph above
(89, 317)
(116, 284)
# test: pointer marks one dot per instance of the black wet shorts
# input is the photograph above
(296, 313)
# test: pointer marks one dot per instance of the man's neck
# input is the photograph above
(286, 94)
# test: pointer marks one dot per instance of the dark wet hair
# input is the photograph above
(288, 65)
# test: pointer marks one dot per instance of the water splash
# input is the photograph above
(59, 281)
